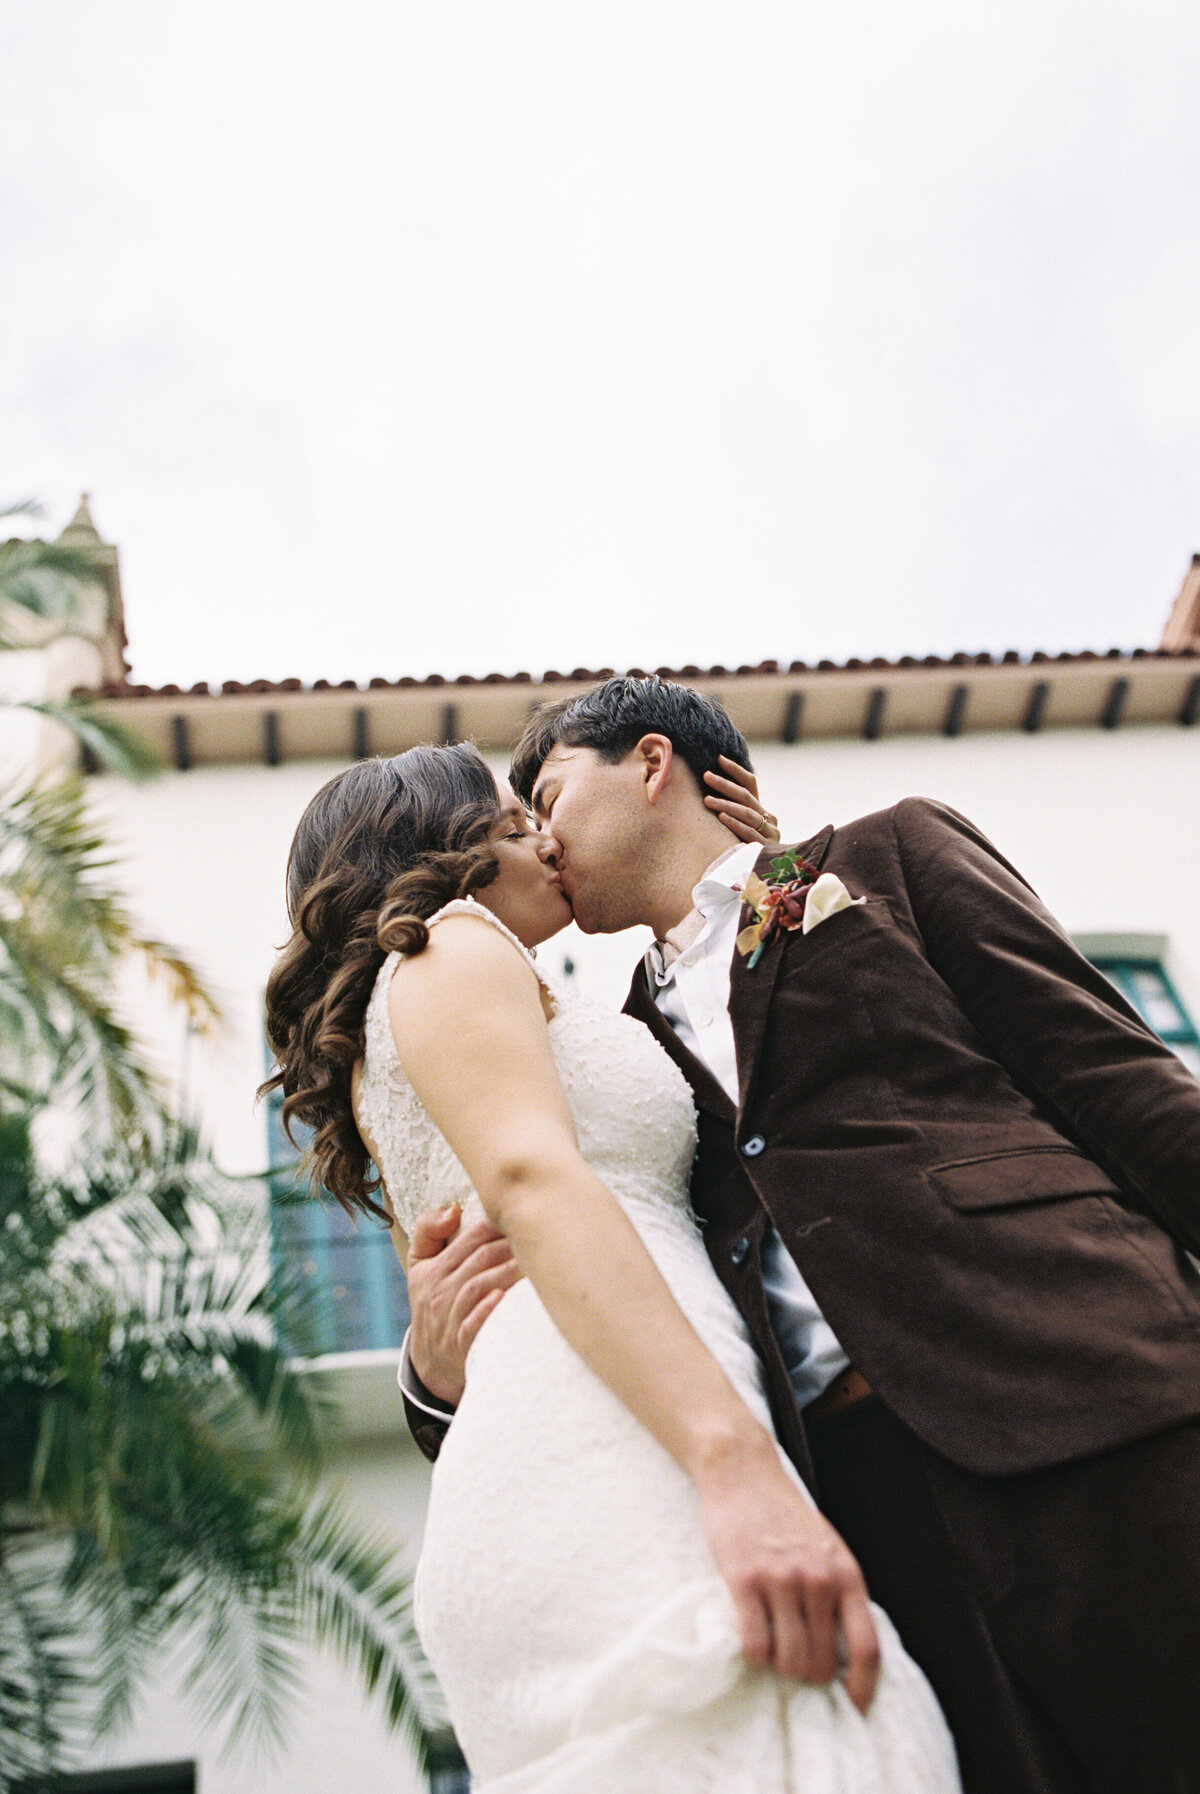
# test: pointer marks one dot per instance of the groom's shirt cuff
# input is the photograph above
(428, 1417)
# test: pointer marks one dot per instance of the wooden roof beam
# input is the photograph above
(793, 714)
(873, 722)
(181, 746)
(1110, 716)
(956, 709)
(1035, 709)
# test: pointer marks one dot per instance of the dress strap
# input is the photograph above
(469, 906)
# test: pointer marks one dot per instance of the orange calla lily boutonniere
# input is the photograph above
(798, 896)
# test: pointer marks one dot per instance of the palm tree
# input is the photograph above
(158, 1462)
(159, 1453)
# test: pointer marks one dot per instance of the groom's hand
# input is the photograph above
(456, 1277)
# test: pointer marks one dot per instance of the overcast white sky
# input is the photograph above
(393, 338)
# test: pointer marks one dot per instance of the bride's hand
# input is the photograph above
(733, 795)
(800, 1596)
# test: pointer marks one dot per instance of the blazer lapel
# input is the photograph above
(705, 1088)
(750, 991)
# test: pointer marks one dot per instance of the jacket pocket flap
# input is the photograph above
(1018, 1175)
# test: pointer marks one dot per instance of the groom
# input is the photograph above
(947, 1175)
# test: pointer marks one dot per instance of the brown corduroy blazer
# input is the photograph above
(983, 1162)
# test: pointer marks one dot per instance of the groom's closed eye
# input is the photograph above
(542, 803)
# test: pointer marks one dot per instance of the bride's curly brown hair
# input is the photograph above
(378, 850)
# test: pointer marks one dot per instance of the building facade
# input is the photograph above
(1084, 769)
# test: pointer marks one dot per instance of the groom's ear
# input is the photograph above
(655, 756)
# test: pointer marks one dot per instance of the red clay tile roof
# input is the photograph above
(589, 676)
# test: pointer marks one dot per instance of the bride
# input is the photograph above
(623, 1583)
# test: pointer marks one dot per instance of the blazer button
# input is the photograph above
(739, 1249)
(753, 1146)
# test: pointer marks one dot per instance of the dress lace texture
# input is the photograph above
(565, 1594)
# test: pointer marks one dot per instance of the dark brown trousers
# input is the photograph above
(1056, 1613)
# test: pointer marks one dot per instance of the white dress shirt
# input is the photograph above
(692, 994)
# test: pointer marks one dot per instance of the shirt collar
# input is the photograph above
(720, 887)
(725, 879)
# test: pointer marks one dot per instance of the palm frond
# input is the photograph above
(56, 863)
(356, 1601)
(51, 848)
(114, 748)
(246, 1672)
(217, 1314)
(64, 930)
(124, 1643)
(63, 1025)
(43, 1688)
(185, 987)
(46, 589)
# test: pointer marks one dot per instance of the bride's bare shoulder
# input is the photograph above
(468, 958)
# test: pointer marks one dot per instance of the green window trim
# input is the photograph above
(1135, 964)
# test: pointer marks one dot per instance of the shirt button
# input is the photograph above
(706, 1020)
(687, 959)
(753, 1146)
(739, 1250)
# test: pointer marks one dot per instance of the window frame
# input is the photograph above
(1121, 957)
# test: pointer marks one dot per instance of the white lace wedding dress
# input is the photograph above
(565, 1594)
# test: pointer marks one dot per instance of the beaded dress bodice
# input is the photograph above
(632, 1108)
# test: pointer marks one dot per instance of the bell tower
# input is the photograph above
(1183, 624)
(105, 627)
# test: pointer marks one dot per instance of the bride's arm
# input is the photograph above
(733, 798)
(456, 1276)
(472, 1036)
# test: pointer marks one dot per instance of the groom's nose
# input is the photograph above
(547, 848)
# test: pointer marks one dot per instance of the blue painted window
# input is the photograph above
(347, 1268)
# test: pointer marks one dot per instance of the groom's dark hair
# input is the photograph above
(613, 717)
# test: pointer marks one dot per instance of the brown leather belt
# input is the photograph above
(846, 1391)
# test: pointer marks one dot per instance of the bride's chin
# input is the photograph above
(554, 925)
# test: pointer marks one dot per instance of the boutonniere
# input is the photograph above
(796, 896)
